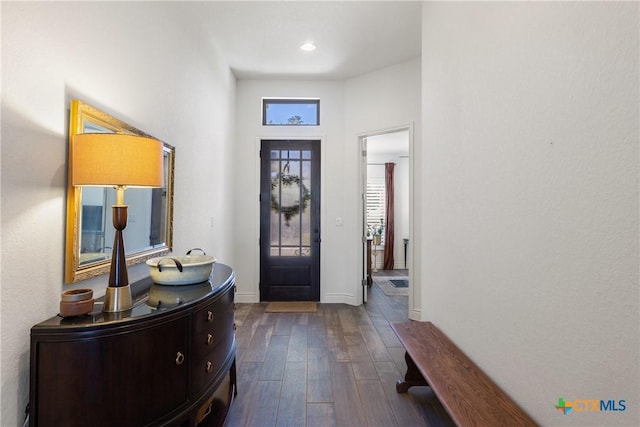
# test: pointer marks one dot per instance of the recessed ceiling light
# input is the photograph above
(308, 47)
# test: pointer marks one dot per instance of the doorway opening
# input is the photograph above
(386, 211)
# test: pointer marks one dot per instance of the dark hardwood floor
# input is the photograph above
(335, 367)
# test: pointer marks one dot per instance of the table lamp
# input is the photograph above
(119, 161)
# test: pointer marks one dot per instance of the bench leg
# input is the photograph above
(412, 378)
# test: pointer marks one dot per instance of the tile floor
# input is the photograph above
(335, 367)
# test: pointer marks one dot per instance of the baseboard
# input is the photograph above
(246, 298)
(338, 298)
(333, 298)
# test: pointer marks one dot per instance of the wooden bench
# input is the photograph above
(466, 393)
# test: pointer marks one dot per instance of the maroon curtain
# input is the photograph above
(388, 223)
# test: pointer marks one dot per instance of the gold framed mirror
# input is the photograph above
(89, 232)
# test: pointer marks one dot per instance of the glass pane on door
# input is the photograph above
(290, 216)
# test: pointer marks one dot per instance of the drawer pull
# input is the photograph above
(207, 412)
(209, 367)
(209, 316)
(179, 358)
(209, 339)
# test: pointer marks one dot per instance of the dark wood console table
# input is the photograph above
(169, 361)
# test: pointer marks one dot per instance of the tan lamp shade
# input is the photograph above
(106, 159)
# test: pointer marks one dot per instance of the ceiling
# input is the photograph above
(262, 39)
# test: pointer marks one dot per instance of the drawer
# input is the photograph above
(214, 410)
(207, 368)
(213, 333)
(206, 317)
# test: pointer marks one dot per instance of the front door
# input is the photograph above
(289, 220)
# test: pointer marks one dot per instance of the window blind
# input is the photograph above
(375, 203)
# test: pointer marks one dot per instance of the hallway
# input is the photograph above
(337, 366)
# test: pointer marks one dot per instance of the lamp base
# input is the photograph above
(117, 299)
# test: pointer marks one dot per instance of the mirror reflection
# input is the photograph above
(90, 231)
(145, 230)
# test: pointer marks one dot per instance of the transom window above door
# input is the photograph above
(290, 112)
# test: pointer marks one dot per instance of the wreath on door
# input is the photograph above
(287, 199)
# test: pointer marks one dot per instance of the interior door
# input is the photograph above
(366, 244)
(290, 220)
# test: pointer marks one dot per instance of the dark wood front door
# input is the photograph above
(289, 220)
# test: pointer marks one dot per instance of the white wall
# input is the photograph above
(335, 285)
(140, 63)
(347, 110)
(530, 194)
(380, 101)
(401, 211)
